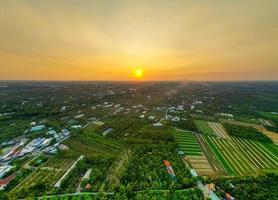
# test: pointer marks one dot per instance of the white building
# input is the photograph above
(4, 169)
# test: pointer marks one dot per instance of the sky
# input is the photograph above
(202, 40)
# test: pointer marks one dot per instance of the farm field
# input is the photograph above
(193, 152)
(91, 143)
(211, 157)
(229, 156)
(59, 163)
(269, 115)
(187, 142)
(240, 123)
(218, 129)
(266, 122)
(200, 164)
(261, 155)
(43, 179)
(204, 127)
(139, 140)
(211, 128)
(241, 156)
(272, 135)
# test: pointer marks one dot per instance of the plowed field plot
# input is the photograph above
(200, 164)
(187, 142)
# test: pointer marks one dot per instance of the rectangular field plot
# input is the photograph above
(194, 155)
(187, 142)
(241, 156)
(211, 157)
(200, 164)
(261, 155)
(204, 127)
(211, 128)
(218, 129)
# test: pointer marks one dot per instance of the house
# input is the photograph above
(224, 115)
(37, 128)
(63, 108)
(76, 126)
(4, 170)
(63, 147)
(47, 142)
(51, 132)
(65, 132)
(4, 182)
(50, 150)
(79, 116)
(158, 124)
(180, 152)
(33, 123)
(99, 123)
(176, 119)
(151, 118)
(88, 186)
(36, 142)
(107, 131)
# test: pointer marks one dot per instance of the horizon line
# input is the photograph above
(36, 80)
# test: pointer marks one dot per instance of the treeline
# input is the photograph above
(255, 188)
(272, 128)
(186, 125)
(156, 135)
(123, 193)
(189, 194)
(247, 132)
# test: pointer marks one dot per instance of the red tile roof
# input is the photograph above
(6, 180)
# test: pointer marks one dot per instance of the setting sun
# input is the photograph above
(138, 73)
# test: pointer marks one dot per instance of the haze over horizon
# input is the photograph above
(168, 40)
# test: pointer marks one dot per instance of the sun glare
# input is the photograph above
(138, 73)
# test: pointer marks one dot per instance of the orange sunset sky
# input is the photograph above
(166, 40)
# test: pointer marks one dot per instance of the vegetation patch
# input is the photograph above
(246, 132)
